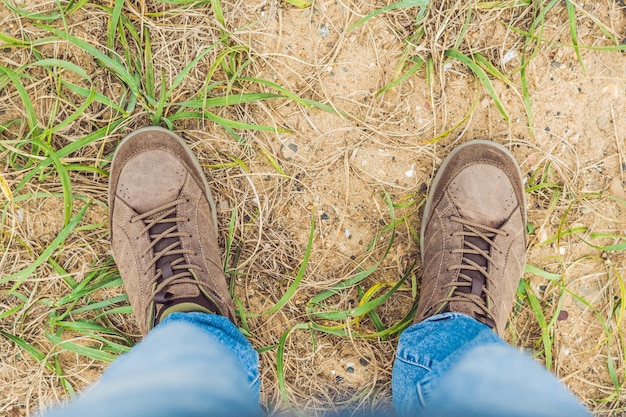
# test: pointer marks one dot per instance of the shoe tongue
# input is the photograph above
(178, 297)
(478, 279)
(165, 262)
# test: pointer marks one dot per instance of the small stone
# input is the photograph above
(411, 172)
(350, 370)
(223, 205)
(616, 188)
(324, 216)
(289, 152)
(510, 55)
(554, 64)
(563, 315)
(604, 123)
(363, 362)
(324, 31)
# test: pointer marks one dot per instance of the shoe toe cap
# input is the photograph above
(151, 179)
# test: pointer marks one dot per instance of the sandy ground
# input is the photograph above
(338, 169)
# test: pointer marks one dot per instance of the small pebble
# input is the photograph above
(324, 216)
(563, 315)
(350, 370)
(363, 362)
(324, 31)
(289, 152)
(616, 188)
(223, 205)
(510, 55)
(604, 123)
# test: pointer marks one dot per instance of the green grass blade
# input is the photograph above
(68, 149)
(20, 276)
(403, 77)
(31, 115)
(98, 97)
(299, 3)
(280, 361)
(37, 354)
(89, 352)
(545, 330)
(217, 11)
(482, 76)
(68, 200)
(571, 15)
(230, 100)
(400, 5)
(112, 65)
(289, 94)
(113, 23)
(291, 290)
(541, 273)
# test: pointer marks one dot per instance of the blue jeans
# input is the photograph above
(196, 364)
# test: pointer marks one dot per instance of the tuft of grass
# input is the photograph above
(117, 81)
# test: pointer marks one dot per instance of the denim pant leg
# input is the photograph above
(451, 364)
(192, 364)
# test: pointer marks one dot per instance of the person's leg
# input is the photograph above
(473, 247)
(451, 364)
(191, 364)
(193, 360)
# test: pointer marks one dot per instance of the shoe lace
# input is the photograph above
(161, 224)
(474, 278)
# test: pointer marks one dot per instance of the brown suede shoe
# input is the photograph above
(473, 239)
(163, 229)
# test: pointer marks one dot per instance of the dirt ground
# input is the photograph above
(338, 168)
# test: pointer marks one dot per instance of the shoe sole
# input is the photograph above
(196, 164)
(442, 168)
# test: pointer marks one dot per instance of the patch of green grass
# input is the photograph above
(324, 318)
(80, 321)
